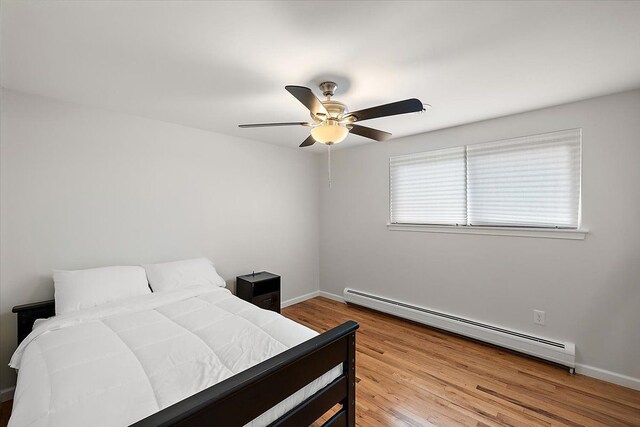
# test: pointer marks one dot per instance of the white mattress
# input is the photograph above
(118, 363)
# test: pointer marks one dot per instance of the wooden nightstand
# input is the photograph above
(28, 313)
(261, 289)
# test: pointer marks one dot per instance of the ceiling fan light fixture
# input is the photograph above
(330, 132)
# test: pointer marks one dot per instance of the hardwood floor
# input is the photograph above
(411, 375)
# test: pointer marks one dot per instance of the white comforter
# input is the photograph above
(118, 363)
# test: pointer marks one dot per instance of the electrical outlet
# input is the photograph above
(538, 317)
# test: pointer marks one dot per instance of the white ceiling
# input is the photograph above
(213, 65)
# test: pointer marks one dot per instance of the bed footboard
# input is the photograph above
(243, 397)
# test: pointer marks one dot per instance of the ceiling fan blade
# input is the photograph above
(412, 105)
(307, 142)
(264, 125)
(308, 99)
(370, 133)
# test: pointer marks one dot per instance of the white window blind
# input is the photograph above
(429, 188)
(532, 181)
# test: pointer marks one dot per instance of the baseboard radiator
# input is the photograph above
(559, 352)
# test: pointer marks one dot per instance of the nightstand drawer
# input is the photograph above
(269, 301)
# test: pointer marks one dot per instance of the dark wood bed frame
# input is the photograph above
(245, 396)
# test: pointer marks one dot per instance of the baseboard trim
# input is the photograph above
(611, 377)
(301, 298)
(310, 295)
(331, 296)
(6, 394)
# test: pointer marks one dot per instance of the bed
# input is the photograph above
(191, 356)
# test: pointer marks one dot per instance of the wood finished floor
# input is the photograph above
(411, 375)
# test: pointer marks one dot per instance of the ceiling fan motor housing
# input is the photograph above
(334, 108)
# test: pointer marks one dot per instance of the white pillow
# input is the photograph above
(82, 289)
(177, 274)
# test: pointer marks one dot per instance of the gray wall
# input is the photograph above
(590, 290)
(84, 187)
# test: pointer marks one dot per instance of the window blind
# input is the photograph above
(531, 181)
(429, 188)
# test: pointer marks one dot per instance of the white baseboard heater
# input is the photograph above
(563, 353)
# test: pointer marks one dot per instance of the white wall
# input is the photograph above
(590, 290)
(84, 187)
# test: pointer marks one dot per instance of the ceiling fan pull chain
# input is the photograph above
(329, 156)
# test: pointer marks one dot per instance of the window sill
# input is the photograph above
(544, 233)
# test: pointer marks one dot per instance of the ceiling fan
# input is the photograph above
(331, 120)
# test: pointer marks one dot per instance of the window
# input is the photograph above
(532, 181)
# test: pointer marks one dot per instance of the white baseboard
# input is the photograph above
(612, 377)
(6, 394)
(310, 295)
(301, 298)
(331, 296)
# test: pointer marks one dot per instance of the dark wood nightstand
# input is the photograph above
(28, 313)
(261, 289)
